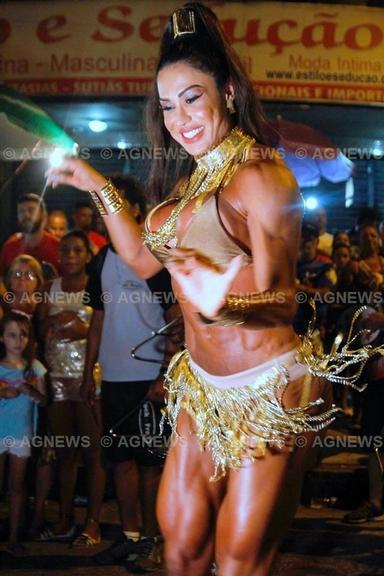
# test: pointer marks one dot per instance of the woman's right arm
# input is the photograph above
(124, 231)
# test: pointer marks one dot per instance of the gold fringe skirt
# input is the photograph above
(236, 424)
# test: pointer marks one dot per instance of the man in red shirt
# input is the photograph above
(32, 239)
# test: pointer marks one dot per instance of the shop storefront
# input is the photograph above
(95, 60)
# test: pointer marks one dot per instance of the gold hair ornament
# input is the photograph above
(183, 22)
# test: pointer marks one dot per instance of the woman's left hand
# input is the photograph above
(77, 173)
(203, 283)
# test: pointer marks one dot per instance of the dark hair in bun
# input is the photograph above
(206, 49)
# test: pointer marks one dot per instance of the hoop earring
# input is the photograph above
(231, 106)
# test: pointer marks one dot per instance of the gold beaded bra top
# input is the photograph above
(212, 173)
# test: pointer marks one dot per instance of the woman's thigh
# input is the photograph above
(250, 502)
(262, 496)
(188, 502)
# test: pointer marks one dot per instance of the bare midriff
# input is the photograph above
(222, 351)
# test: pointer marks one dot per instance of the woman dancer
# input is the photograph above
(229, 236)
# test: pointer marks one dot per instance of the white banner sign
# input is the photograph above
(301, 52)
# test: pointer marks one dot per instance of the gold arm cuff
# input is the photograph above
(246, 302)
(108, 200)
(98, 203)
(236, 307)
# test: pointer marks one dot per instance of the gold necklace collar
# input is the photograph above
(214, 169)
(217, 156)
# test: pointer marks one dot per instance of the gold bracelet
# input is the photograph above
(224, 319)
(108, 200)
(248, 302)
(98, 203)
(237, 307)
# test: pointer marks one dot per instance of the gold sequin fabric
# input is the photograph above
(236, 424)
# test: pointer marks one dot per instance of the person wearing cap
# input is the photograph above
(316, 277)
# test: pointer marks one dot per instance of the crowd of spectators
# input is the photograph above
(87, 311)
(340, 275)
